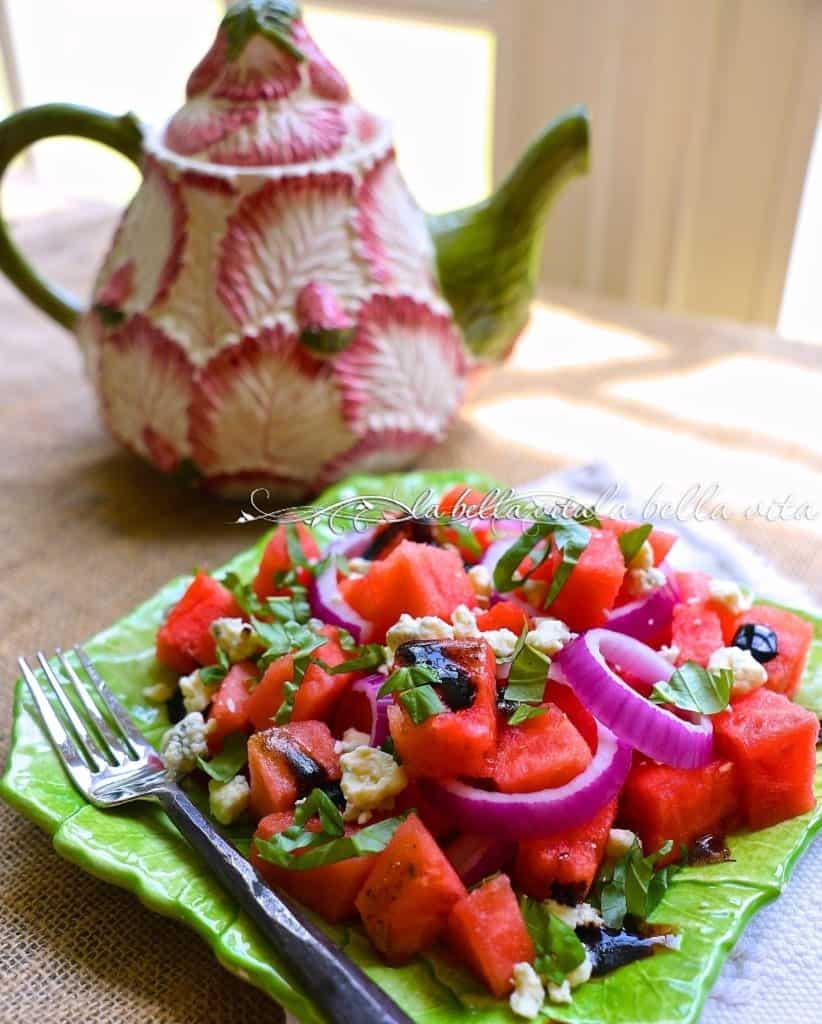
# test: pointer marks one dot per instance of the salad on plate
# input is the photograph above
(493, 738)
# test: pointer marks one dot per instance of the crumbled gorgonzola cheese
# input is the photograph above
(370, 781)
(730, 595)
(407, 629)
(465, 624)
(228, 800)
(620, 841)
(358, 567)
(351, 739)
(481, 581)
(644, 558)
(503, 642)
(549, 636)
(237, 639)
(669, 653)
(748, 673)
(196, 695)
(183, 743)
(639, 582)
(528, 996)
(578, 916)
(159, 693)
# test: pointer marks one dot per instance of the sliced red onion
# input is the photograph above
(650, 728)
(532, 815)
(476, 857)
(324, 595)
(369, 687)
(646, 617)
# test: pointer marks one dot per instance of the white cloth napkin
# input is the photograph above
(774, 973)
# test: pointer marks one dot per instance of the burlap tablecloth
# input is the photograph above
(86, 532)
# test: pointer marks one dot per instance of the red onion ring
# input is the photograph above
(324, 595)
(647, 617)
(533, 815)
(476, 857)
(369, 687)
(649, 728)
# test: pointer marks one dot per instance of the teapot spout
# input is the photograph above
(488, 254)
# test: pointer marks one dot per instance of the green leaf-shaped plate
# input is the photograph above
(139, 850)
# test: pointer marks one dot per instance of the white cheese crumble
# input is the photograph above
(579, 916)
(370, 781)
(159, 693)
(351, 739)
(502, 642)
(748, 673)
(465, 624)
(579, 975)
(228, 800)
(644, 558)
(481, 581)
(549, 636)
(620, 841)
(237, 639)
(528, 996)
(183, 743)
(407, 629)
(196, 695)
(669, 653)
(640, 582)
(358, 567)
(730, 595)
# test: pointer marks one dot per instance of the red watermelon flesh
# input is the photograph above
(285, 761)
(276, 559)
(696, 633)
(793, 634)
(661, 541)
(229, 709)
(541, 753)
(503, 615)
(772, 742)
(184, 640)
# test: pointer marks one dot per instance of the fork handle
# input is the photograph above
(336, 984)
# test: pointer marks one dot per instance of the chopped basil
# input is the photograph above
(293, 607)
(229, 761)
(505, 572)
(370, 656)
(694, 688)
(212, 675)
(296, 555)
(319, 803)
(524, 712)
(243, 594)
(223, 660)
(529, 673)
(558, 950)
(283, 637)
(302, 659)
(631, 886)
(413, 684)
(631, 541)
(571, 538)
(467, 539)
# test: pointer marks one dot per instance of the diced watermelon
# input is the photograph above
(772, 742)
(184, 640)
(567, 862)
(318, 692)
(229, 709)
(286, 762)
(409, 893)
(696, 633)
(591, 590)
(453, 742)
(414, 578)
(503, 615)
(412, 798)
(277, 559)
(584, 722)
(486, 930)
(661, 541)
(330, 890)
(466, 497)
(681, 804)
(352, 711)
(693, 587)
(793, 636)
(541, 753)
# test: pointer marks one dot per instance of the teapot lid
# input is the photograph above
(265, 95)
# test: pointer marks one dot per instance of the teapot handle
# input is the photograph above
(19, 131)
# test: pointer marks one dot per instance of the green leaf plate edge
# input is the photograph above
(139, 850)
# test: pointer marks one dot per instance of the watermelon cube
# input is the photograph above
(772, 742)
(330, 890)
(793, 636)
(487, 931)
(681, 804)
(229, 709)
(287, 762)
(541, 753)
(661, 541)
(565, 863)
(503, 615)
(415, 578)
(184, 640)
(409, 893)
(276, 559)
(696, 633)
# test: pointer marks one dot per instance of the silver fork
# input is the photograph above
(111, 763)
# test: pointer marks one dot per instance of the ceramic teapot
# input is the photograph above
(274, 307)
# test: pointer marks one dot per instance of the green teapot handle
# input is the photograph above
(44, 122)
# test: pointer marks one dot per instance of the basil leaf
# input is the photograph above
(222, 660)
(694, 688)
(296, 555)
(291, 607)
(211, 675)
(524, 712)
(229, 761)
(371, 656)
(466, 539)
(631, 541)
(320, 804)
(421, 702)
(571, 539)
(321, 851)
(528, 676)
(558, 950)
(631, 885)
(505, 571)
(286, 709)
(407, 678)
(243, 594)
